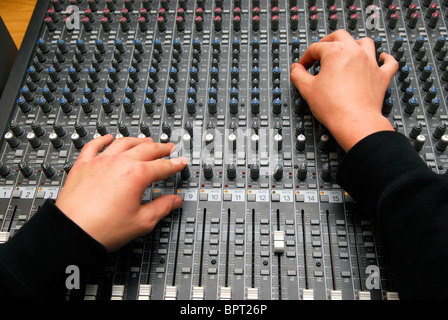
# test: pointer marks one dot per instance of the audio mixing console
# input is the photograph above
(262, 214)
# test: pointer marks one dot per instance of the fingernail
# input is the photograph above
(179, 160)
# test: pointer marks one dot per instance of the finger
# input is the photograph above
(338, 35)
(315, 52)
(152, 212)
(160, 169)
(390, 65)
(123, 144)
(368, 45)
(150, 151)
(301, 78)
(93, 147)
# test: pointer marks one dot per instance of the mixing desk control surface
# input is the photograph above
(262, 214)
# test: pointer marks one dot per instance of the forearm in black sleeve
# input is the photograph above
(387, 177)
(33, 262)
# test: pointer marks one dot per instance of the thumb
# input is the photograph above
(152, 212)
(301, 79)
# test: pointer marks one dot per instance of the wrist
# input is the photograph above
(350, 130)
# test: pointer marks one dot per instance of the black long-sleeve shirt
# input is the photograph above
(385, 175)
(382, 173)
(33, 262)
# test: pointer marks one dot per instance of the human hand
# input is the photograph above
(102, 193)
(347, 94)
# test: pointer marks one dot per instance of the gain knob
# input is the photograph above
(302, 171)
(254, 171)
(278, 172)
(208, 171)
(326, 172)
(4, 170)
(25, 169)
(48, 170)
(442, 143)
(56, 141)
(185, 173)
(231, 171)
(12, 140)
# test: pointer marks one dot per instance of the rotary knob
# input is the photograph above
(302, 171)
(326, 172)
(254, 171)
(208, 171)
(442, 143)
(231, 171)
(25, 169)
(48, 170)
(185, 173)
(4, 170)
(12, 140)
(278, 172)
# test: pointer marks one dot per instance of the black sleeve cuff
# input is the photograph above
(33, 262)
(374, 163)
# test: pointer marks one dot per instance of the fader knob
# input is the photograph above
(232, 141)
(209, 139)
(254, 142)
